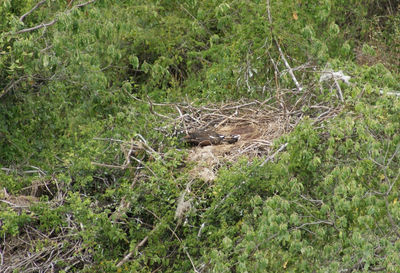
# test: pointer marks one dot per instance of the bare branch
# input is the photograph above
(84, 4)
(395, 227)
(139, 245)
(283, 146)
(53, 21)
(299, 88)
(11, 86)
(394, 93)
(123, 167)
(37, 27)
(32, 10)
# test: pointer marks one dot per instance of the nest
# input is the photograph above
(255, 124)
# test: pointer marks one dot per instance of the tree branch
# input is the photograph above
(84, 4)
(51, 22)
(299, 88)
(37, 27)
(32, 10)
(11, 86)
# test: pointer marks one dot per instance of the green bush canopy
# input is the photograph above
(96, 97)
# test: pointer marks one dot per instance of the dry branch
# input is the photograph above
(296, 82)
(52, 22)
(32, 10)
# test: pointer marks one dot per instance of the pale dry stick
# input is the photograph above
(242, 105)
(42, 25)
(52, 22)
(84, 4)
(112, 139)
(32, 10)
(147, 146)
(227, 118)
(263, 142)
(128, 154)
(238, 118)
(1, 257)
(14, 205)
(182, 119)
(394, 93)
(139, 245)
(317, 119)
(154, 112)
(176, 236)
(283, 146)
(200, 23)
(339, 90)
(299, 88)
(142, 163)
(10, 86)
(251, 146)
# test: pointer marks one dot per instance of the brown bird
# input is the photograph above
(204, 138)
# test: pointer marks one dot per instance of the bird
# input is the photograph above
(231, 139)
(207, 137)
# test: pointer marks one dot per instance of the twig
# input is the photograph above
(299, 88)
(84, 4)
(10, 86)
(139, 245)
(52, 22)
(32, 10)
(145, 145)
(339, 90)
(200, 23)
(395, 93)
(37, 27)
(154, 112)
(13, 205)
(122, 167)
(111, 139)
(283, 146)
(142, 163)
(182, 119)
(395, 227)
(176, 236)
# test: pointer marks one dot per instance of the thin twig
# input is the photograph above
(139, 245)
(122, 167)
(298, 86)
(339, 90)
(283, 146)
(84, 4)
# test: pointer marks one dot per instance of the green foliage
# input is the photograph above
(75, 92)
(12, 221)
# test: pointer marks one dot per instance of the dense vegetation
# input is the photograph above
(78, 81)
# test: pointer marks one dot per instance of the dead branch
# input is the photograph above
(390, 93)
(283, 146)
(32, 10)
(108, 165)
(52, 22)
(298, 86)
(11, 86)
(84, 4)
(139, 245)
